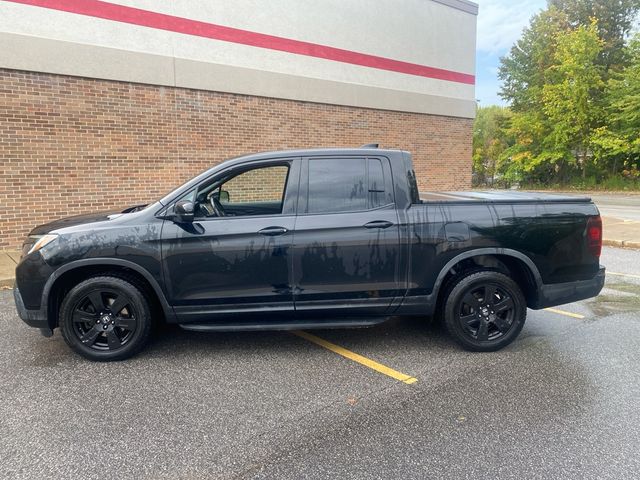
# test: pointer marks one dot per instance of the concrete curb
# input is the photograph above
(8, 261)
(620, 243)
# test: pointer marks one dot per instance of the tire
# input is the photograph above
(106, 318)
(484, 311)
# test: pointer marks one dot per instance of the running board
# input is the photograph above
(292, 325)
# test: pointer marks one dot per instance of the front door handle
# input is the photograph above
(378, 224)
(273, 231)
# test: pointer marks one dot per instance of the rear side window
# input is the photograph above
(345, 185)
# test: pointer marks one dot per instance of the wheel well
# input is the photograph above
(511, 266)
(70, 279)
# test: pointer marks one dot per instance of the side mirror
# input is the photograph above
(184, 211)
(224, 196)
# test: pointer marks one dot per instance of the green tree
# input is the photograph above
(618, 141)
(529, 158)
(522, 70)
(574, 91)
(573, 94)
(552, 135)
(490, 140)
(615, 20)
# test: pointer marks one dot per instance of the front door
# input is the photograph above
(236, 255)
(347, 245)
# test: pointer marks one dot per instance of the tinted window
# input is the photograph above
(337, 185)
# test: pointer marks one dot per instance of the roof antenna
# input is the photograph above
(370, 145)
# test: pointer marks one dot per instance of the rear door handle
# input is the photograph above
(378, 224)
(273, 231)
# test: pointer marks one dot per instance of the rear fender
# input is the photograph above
(426, 304)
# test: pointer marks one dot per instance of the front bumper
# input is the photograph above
(33, 318)
(550, 295)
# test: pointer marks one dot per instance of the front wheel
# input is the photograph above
(105, 318)
(485, 311)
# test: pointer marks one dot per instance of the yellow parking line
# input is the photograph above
(563, 312)
(378, 367)
(623, 274)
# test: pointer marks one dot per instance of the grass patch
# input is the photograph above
(591, 184)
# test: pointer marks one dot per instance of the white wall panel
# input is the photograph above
(423, 32)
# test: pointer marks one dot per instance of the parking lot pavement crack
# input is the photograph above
(315, 436)
(312, 435)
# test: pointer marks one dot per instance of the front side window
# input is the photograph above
(345, 185)
(258, 185)
(259, 191)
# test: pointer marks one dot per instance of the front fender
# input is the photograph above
(76, 264)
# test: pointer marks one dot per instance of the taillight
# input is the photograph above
(594, 235)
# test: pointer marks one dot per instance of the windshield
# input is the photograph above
(136, 208)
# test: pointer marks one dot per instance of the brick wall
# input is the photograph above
(259, 185)
(72, 145)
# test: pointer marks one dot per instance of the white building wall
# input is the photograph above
(67, 37)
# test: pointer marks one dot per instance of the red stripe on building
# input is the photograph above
(161, 21)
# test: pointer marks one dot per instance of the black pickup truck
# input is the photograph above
(308, 239)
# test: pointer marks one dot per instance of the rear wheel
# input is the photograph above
(485, 311)
(105, 318)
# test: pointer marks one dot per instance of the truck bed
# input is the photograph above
(499, 196)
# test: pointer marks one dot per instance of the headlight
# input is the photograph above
(41, 241)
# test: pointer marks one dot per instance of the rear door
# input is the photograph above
(346, 240)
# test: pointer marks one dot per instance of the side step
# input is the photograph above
(291, 325)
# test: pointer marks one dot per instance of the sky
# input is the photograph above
(500, 23)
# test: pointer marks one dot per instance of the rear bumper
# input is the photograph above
(33, 318)
(550, 295)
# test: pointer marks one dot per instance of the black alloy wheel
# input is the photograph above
(485, 311)
(105, 318)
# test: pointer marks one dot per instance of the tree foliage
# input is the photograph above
(522, 71)
(617, 142)
(573, 85)
(615, 20)
(572, 94)
(490, 140)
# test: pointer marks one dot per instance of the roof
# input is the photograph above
(306, 152)
(316, 152)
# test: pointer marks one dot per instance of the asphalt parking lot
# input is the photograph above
(561, 402)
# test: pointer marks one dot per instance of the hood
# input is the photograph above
(82, 219)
